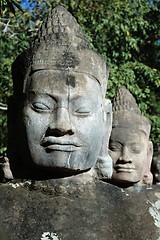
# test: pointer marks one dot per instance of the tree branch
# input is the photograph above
(3, 106)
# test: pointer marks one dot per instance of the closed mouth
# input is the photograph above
(61, 147)
(60, 144)
(124, 169)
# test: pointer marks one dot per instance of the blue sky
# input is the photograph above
(27, 4)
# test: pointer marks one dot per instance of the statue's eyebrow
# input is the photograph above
(115, 141)
(42, 94)
(75, 71)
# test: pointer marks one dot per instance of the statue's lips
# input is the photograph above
(63, 144)
(120, 168)
(58, 147)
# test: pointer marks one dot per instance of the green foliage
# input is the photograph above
(12, 41)
(144, 83)
(125, 32)
(9, 5)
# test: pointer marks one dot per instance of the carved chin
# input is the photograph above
(66, 160)
(126, 176)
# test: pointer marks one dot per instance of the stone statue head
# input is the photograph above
(58, 105)
(129, 145)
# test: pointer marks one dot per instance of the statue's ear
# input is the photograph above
(104, 166)
(149, 154)
(108, 118)
(148, 177)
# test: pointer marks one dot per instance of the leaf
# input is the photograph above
(11, 7)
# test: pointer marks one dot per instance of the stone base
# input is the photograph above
(95, 210)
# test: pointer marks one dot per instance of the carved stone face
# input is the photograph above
(129, 150)
(63, 120)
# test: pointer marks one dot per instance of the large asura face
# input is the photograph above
(129, 150)
(63, 120)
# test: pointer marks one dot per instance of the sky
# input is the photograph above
(27, 4)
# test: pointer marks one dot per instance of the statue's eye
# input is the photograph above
(81, 106)
(83, 112)
(115, 148)
(39, 106)
(136, 150)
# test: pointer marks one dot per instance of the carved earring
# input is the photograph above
(104, 165)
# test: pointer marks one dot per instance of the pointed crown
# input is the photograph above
(126, 112)
(124, 101)
(60, 45)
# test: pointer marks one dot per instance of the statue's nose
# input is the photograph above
(61, 124)
(125, 155)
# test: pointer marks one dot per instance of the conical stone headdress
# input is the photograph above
(60, 45)
(127, 114)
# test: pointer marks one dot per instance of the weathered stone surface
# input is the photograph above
(95, 210)
(59, 125)
(58, 117)
(129, 145)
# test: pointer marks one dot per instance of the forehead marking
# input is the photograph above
(71, 81)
